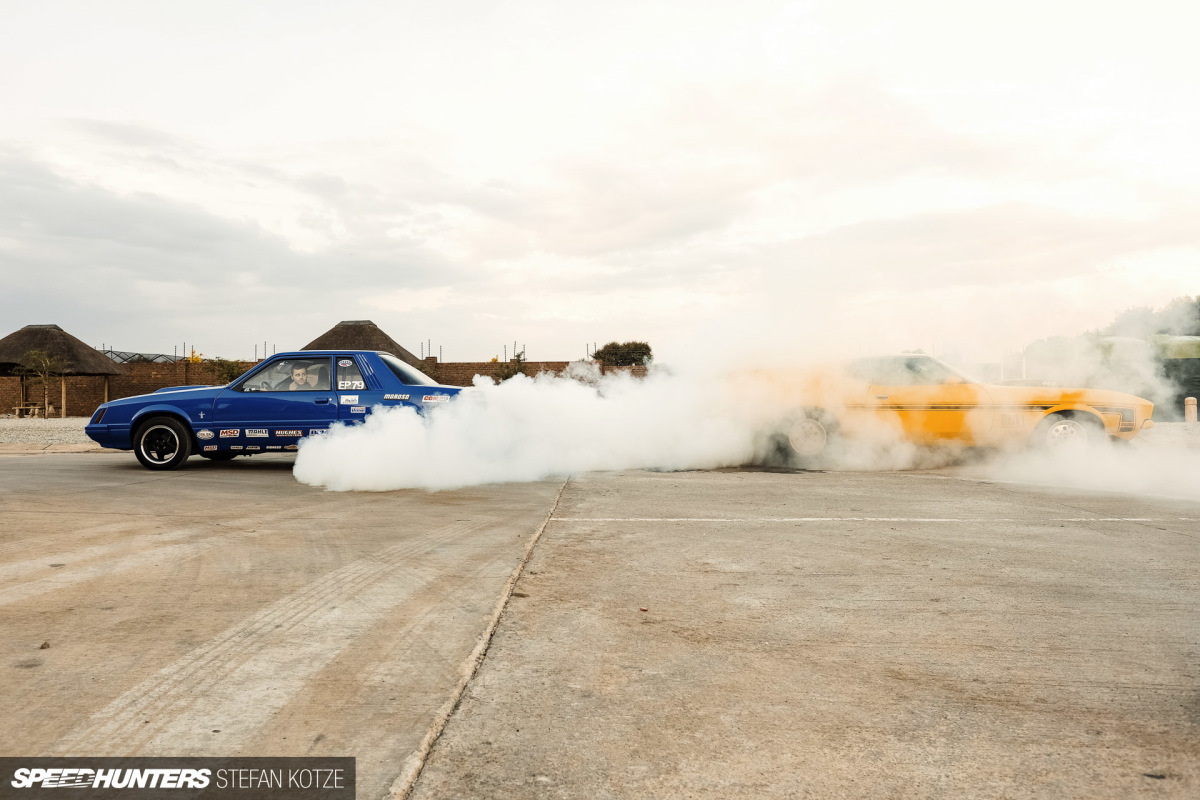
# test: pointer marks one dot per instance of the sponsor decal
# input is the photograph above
(358, 409)
(235, 447)
(436, 398)
(230, 433)
(318, 432)
(208, 448)
(345, 362)
(274, 447)
(342, 385)
(289, 433)
(204, 434)
(253, 447)
(349, 399)
(256, 433)
(292, 447)
(396, 396)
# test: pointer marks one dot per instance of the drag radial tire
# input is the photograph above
(809, 434)
(162, 443)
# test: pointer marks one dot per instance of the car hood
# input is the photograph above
(170, 394)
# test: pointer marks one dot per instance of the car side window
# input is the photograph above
(925, 372)
(349, 376)
(290, 375)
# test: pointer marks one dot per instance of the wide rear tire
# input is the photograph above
(1067, 432)
(162, 443)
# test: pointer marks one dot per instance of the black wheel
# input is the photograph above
(1067, 432)
(219, 456)
(162, 443)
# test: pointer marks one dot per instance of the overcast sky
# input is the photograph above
(759, 176)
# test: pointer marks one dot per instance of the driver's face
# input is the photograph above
(299, 376)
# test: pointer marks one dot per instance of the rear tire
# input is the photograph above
(162, 443)
(807, 437)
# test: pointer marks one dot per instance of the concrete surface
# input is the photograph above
(756, 634)
(225, 609)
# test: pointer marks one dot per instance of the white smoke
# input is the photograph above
(1164, 462)
(527, 429)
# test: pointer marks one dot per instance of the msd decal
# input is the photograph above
(204, 434)
(436, 398)
(230, 433)
(208, 448)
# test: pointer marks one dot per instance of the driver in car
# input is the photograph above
(301, 380)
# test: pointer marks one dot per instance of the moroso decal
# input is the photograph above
(289, 433)
(208, 448)
(349, 399)
(256, 433)
(229, 433)
(396, 396)
(436, 398)
(274, 447)
(204, 434)
(358, 409)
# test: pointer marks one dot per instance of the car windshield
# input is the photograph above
(407, 373)
(905, 371)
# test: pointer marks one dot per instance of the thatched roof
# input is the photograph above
(360, 334)
(78, 357)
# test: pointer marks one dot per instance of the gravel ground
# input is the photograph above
(43, 431)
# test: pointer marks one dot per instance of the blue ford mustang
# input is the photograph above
(271, 407)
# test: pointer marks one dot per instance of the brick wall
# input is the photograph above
(86, 392)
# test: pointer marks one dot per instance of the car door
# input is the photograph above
(930, 402)
(357, 389)
(271, 409)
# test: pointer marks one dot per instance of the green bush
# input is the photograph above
(624, 355)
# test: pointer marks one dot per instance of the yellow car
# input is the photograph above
(919, 399)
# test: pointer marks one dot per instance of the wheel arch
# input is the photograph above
(1080, 413)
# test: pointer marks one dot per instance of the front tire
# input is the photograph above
(1066, 432)
(162, 443)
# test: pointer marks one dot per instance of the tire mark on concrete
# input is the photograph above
(242, 677)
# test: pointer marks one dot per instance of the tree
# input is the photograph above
(624, 355)
(43, 365)
(225, 370)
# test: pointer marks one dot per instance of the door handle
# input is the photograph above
(322, 401)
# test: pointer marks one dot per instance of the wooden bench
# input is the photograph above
(28, 410)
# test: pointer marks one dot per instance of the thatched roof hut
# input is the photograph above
(360, 334)
(77, 357)
(73, 357)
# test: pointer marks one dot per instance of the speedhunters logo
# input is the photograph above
(144, 778)
(75, 778)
